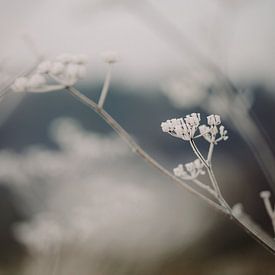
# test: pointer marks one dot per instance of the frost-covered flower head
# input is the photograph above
(182, 128)
(190, 170)
(210, 132)
(214, 120)
(66, 70)
(185, 128)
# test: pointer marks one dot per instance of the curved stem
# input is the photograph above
(251, 228)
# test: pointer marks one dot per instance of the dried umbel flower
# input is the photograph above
(214, 120)
(190, 171)
(185, 128)
(182, 128)
(66, 70)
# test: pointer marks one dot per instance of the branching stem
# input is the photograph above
(251, 228)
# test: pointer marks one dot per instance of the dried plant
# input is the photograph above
(64, 71)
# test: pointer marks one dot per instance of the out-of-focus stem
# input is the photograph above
(105, 88)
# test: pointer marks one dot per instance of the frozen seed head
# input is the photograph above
(20, 84)
(110, 57)
(182, 128)
(204, 129)
(190, 170)
(213, 120)
(179, 171)
(265, 194)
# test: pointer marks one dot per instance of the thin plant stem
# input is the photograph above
(250, 228)
(134, 146)
(210, 151)
(205, 187)
(211, 174)
(105, 88)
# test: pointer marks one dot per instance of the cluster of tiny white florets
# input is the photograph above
(66, 70)
(190, 170)
(182, 128)
(186, 128)
(214, 127)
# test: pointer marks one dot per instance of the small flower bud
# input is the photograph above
(265, 194)
(214, 120)
(110, 57)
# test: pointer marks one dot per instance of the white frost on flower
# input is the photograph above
(182, 128)
(66, 70)
(214, 120)
(185, 128)
(191, 170)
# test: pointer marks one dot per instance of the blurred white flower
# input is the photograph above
(110, 57)
(66, 70)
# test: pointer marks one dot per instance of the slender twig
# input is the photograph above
(251, 228)
(205, 187)
(105, 88)
(211, 174)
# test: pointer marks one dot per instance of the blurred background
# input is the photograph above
(73, 198)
